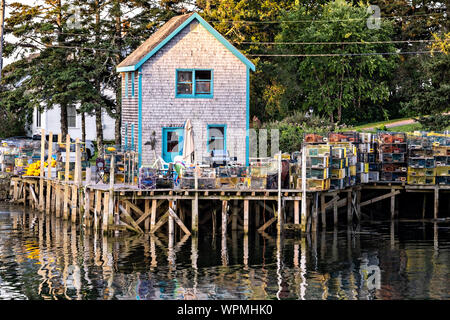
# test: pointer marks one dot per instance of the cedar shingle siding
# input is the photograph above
(193, 48)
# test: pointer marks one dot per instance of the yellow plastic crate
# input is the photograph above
(421, 180)
(421, 172)
(443, 171)
(352, 170)
(318, 150)
(338, 173)
(314, 184)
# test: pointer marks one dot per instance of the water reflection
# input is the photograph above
(45, 258)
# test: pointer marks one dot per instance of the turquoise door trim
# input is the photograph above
(170, 156)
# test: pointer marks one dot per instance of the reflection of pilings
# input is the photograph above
(154, 262)
(246, 251)
(323, 245)
(76, 268)
(334, 249)
(303, 284)
(107, 270)
(279, 265)
(224, 251)
(392, 235)
(435, 239)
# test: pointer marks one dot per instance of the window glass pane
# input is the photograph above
(71, 117)
(184, 76)
(216, 138)
(172, 141)
(203, 75)
(203, 87)
(184, 88)
(216, 144)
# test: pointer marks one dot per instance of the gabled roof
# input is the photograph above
(163, 35)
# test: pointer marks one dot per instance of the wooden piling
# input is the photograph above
(246, 207)
(41, 172)
(424, 205)
(349, 208)
(436, 201)
(171, 220)
(296, 212)
(393, 204)
(323, 211)
(66, 180)
(195, 214)
(234, 216)
(335, 213)
(153, 216)
(147, 211)
(49, 173)
(224, 218)
(73, 203)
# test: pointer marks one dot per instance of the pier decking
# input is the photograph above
(120, 207)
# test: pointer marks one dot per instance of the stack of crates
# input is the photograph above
(118, 152)
(392, 148)
(367, 168)
(317, 169)
(421, 163)
(231, 177)
(257, 176)
(60, 151)
(441, 152)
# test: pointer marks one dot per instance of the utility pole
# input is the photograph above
(2, 24)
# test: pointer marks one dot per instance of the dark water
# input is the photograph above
(47, 259)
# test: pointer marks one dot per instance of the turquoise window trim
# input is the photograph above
(224, 126)
(194, 95)
(132, 84)
(208, 27)
(126, 85)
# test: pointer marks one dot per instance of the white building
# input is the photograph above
(50, 121)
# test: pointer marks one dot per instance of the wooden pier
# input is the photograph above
(115, 207)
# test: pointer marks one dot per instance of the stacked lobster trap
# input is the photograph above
(344, 160)
(441, 152)
(125, 165)
(421, 162)
(318, 170)
(392, 148)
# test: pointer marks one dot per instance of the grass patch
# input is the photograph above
(377, 124)
(407, 128)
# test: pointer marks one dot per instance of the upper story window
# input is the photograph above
(194, 84)
(38, 118)
(71, 117)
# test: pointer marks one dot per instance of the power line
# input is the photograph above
(339, 54)
(335, 43)
(324, 21)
